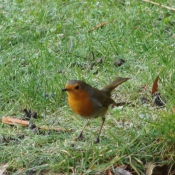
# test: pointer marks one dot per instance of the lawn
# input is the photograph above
(44, 44)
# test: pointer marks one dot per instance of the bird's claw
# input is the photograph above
(80, 137)
(97, 140)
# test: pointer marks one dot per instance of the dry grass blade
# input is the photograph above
(163, 6)
(98, 26)
(149, 168)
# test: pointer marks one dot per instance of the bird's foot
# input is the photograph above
(80, 137)
(97, 140)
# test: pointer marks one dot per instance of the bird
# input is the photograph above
(90, 102)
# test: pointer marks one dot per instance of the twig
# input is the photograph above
(163, 6)
(14, 121)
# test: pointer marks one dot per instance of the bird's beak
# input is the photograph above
(64, 90)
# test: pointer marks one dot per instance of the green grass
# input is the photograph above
(45, 43)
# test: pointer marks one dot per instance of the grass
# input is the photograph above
(46, 43)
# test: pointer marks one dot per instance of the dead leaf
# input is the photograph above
(122, 171)
(155, 85)
(156, 95)
(3, 168)
(110, 173)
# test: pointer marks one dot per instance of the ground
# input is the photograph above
(44, 44)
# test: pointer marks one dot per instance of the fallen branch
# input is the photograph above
(14, 121)
(163, 6)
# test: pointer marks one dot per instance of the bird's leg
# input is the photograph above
(80, 136)
(97, 140)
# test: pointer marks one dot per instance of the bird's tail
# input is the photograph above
(111, 86)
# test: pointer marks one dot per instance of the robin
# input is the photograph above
(90, 102)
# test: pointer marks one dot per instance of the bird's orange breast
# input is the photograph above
(80, 103)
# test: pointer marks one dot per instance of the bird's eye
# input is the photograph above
(77, 87)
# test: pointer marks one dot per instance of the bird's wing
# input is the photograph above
(100, 99)
(96, 102)
(108, 101)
